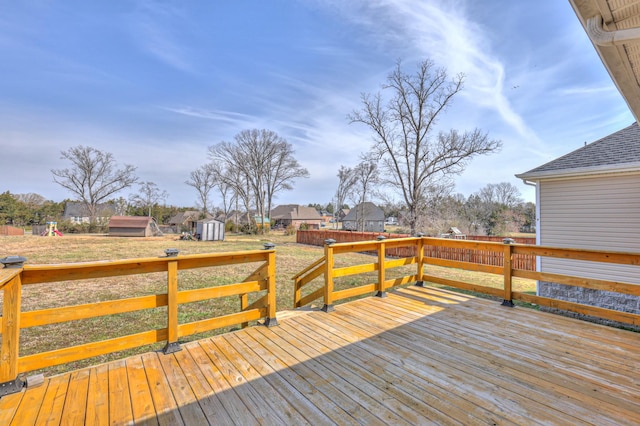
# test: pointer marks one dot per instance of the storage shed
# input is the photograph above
(210, 230)
(133, 226)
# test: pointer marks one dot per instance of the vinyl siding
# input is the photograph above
(601, 213)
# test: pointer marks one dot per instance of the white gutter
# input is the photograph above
(602, 37)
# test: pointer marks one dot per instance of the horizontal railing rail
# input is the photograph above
(487, 257)
(506, 256)
(386, 252)
(260, 281)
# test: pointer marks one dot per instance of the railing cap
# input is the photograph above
(269, 246)
(13, 261)
(171, 252)
(329, 241)
(508, 241)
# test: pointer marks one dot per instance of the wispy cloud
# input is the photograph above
(235, 118)
(156, 27)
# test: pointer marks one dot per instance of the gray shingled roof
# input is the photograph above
(618, 150)
(371, 212)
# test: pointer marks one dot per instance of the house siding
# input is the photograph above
(600, 213)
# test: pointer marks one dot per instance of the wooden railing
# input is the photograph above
(509, 269)
(325, 266)
(260, 282)
(485, 257)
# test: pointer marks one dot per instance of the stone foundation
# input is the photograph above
(588, 296)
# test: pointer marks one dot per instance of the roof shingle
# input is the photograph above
(614, 151)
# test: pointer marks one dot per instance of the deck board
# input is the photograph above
(418, 356)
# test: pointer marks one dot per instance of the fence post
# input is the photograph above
(172, 308)
(328, 276)
(9, 352)
(420, 255)
(507, 258)
(271, 320)
(381, 270)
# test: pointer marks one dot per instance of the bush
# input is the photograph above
(290, 230)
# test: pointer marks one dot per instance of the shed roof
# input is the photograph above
(129, 221)
(617, 152)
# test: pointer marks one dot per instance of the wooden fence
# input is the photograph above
(325, 268)
(260, 282)
(472, 255)
(11, 230)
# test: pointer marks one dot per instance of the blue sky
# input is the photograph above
(157, 82)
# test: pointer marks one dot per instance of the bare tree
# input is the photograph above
(346, 180)
(203, 179)
(496, 206)
(148, 195)
(412, 156)
(503, 193)
(227, 193)
(261, 164)
(366, 175)
(93, 176)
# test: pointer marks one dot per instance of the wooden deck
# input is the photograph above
(418, 356)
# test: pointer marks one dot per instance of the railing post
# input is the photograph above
(507, 257)
(172, 308)
(297, 292)
(9, 352)
(271, 320)
(381, 270)
(420, 256)
(328, 276)
(244, 304)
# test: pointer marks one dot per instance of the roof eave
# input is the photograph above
(625, 168)
(614, 58)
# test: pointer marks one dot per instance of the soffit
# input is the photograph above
(622, 61)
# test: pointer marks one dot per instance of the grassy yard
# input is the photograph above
(290, 259)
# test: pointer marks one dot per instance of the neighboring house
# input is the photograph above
(590, 198)
(365, 217)
(78, 213)
(133, 226)
(342, 213)
(238, 218)
(326, 216)
(186, 221)
(294, 215)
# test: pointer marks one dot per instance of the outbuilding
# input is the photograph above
(133, 226)
(210, 230)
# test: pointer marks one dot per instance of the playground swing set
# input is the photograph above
(51, 230)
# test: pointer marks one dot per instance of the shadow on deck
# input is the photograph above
(418, 356)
